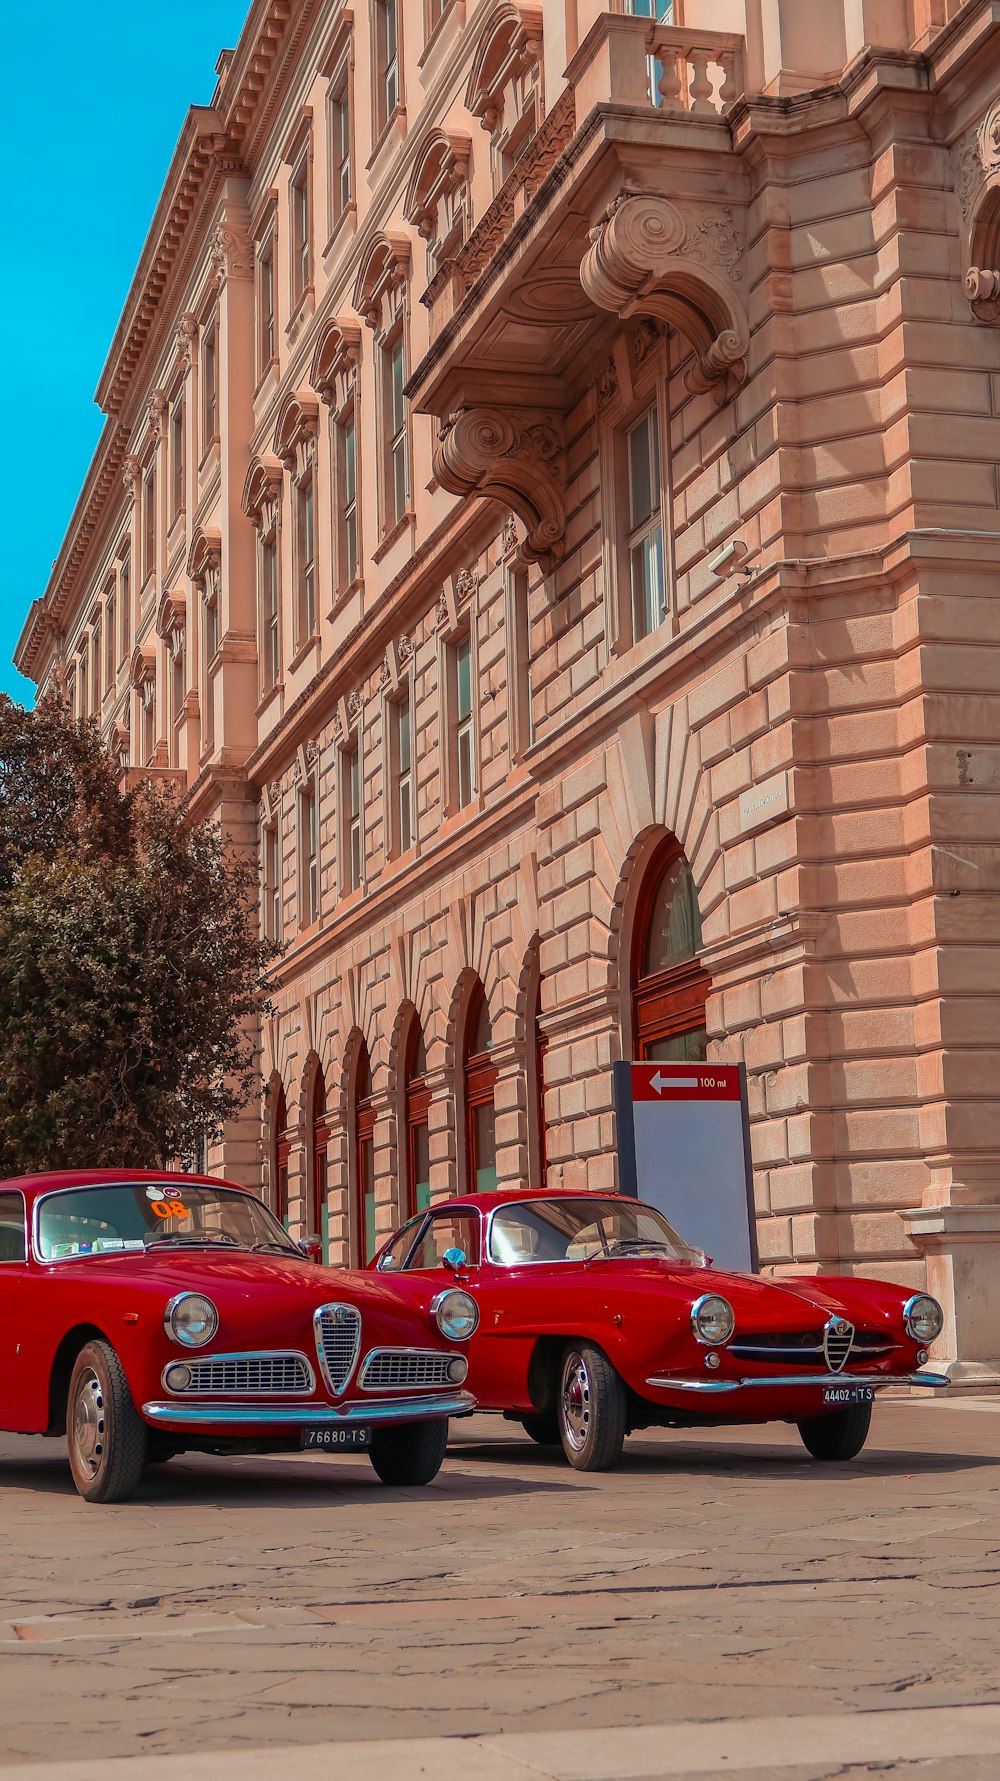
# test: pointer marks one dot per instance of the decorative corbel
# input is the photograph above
(232, 254)
(648, 259)
(484, 451)
(186, 340)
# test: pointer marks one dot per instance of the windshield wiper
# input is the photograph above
(279, 1248)
(627, 1245)
(190, 1239)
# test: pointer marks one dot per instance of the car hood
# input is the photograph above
(791, 1304)
(234, 1274)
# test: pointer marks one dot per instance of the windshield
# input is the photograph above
(145, 1215)
(568, 1230)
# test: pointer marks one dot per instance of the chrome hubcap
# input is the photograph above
(89, 1423)
(575, 1404)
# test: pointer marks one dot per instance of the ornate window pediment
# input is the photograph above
(296, 430)
(506, 65)
(204, 562)
(383, 269)
(142, 670)
(335, 363)
(440, 171)
(171, 616)
(261, 499)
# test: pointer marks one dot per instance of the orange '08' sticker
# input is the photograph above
(168, 1209)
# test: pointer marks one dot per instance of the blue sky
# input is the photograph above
(91, 105)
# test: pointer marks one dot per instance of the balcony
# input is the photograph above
(627, 203)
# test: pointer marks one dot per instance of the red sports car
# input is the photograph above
(596, 1318)
(145, 1314)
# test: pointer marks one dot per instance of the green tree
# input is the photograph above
(132, 973)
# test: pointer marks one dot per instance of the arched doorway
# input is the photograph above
(281, 1150)
(480, 1075)
(417, 1101)
(669, 984)
(364, 1157)
(319, 1212)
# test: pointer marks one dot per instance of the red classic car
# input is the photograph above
(596, 1318)
(146, 1314)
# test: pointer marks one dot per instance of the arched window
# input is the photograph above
(480, 1082)
(535, 1048)
(418, 1101)
(669, 984)
(364, 1157)
(319, 1219)
(281, 1150)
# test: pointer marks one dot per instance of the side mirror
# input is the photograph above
(311, 1247)
(455, 1259)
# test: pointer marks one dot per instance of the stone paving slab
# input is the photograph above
(749, 1747)
(250, 1605)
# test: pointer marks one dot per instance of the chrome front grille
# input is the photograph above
(805, 1348)
(396, 1369)
(243, 1375)
(338, 1339)
(837, 1339)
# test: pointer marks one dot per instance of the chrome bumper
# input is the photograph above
(785, 1381)
(181, 1415)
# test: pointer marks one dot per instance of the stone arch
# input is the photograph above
(982, 280)
(441, 165)
(204, 556)
(296, 428)
(645, 259)
(511, 39)
(468, 984)
(336, 357)
(261, 495)
(642, 859)
(384, 265)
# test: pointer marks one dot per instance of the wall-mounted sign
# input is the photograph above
(684, 1147)
(764, 802)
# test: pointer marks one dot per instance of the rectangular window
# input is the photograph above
(645, 534)
(270, 613)
(401, 773)
(147, 703)
(347, 479)
(306, 545)
(386, 60)
(266, 322)
(211, 630)
(124, 590)
(272, 882)
(394, 408)
(177, 458)
(178, 688)
(148, 522)
(436, 10)
(339, 116)
(463, 747)
(96, 659)
(210, 389)
(309, 856)
(83, 681)
(351, 824)
(519, 665)
(110, 637)
(300, 230)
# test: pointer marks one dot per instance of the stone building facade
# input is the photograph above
(548, 508)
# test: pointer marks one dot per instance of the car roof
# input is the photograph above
(34, 1185)
(487, 1202)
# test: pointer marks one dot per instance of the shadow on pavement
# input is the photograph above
(747, 1462)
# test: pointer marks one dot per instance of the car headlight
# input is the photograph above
(191, 1320)
(923, 1317)
(712, 1318)
(456, 1314)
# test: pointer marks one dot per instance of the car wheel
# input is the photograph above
(591, 1410)
(543, 1428)
(840, 1435)
(409, 1454)
(106, 1435)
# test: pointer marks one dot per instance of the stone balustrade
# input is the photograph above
(695, 71)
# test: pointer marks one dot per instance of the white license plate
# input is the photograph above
(350, 1439)
(848, 1394)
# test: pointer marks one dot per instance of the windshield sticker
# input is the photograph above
(168, 1209)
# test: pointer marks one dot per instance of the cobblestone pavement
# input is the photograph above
(246, 1604)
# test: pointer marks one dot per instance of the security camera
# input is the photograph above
(729, 560)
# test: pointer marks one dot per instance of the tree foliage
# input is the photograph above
(132, 974)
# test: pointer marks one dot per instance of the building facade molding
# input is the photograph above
(514, 458)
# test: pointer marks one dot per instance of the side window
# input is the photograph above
(394, 1256)
(446, 1230)
(12, 1228)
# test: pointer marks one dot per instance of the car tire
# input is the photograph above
(839, 1436)
(409, 1454)
(591, 1409)
(106, 1436)
(543, 1428)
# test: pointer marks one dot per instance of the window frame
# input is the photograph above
(670, 1003)
(148, 517)
(417, 1098)
(178, 456)
(266, 294)
(479, 1079)
(300, 244)
(352, 816)
(269, 608)
(401, 776)
(395, 429)
(13, 1193)
(340, 135)
(387, 67)
(209, 368)
(309, 853)
(460, 726)
(271, 881)
(306, 588)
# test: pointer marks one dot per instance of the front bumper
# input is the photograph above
(790, 1381)
(278, 1418)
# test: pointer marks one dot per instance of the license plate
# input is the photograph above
(351, 1438)
(848, 1394)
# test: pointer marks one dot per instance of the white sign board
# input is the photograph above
(684, 1147)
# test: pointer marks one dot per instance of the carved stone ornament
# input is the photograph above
(647, 258)
(483, 451)
(296, 430)
(186, 340)
(131, 474)
(466, 583)
(441, 614)
(404, 648)
(261, 499)
(354, 704)
(384, 673)
(156, 412)
(607, 384)
(232, 253)
(335, 362)
(976, 162)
